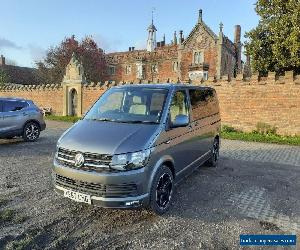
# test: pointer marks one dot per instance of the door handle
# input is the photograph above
(25, 114)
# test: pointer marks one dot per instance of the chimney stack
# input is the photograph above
(2, 61)
(175, 38)
(200, 16)
(237, 34)
(181, 36)
(129, 48)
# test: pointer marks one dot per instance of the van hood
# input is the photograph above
(103, 137)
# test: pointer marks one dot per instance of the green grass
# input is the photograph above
(7, 215)
(3, 202)
(20, 244)
(233, 134)
(62, 118)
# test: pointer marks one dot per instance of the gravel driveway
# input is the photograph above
(255, 189)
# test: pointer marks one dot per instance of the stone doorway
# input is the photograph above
(73, 103)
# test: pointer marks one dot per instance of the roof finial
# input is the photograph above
(221, 27)
(152, 12)
(200, 16)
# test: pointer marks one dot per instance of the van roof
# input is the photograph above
(162, 85)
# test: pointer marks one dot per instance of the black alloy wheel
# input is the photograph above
(31, 132)
(161, 192)
(164, 190)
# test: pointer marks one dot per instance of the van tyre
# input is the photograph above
(161, 190)
(214, 157)
(31, 132)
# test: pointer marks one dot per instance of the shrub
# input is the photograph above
(228, 129)
(265, 129)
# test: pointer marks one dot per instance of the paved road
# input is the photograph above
(255, 189)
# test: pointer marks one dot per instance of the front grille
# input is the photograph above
(93, 162)
(97, 189)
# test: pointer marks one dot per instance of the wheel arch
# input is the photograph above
(163, 161)
(31, 120)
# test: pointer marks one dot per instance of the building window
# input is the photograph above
(175, 66)
(128, 69)
(154, 68)
(198, 57)
(111, 70)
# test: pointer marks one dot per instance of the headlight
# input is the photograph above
(130, 161)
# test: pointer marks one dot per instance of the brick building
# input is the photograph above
(201, 54)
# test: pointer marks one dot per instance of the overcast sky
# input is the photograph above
(29, 27)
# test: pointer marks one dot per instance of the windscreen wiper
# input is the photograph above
(148, 122)
(103, 120)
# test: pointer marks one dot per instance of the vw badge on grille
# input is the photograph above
(79, 160)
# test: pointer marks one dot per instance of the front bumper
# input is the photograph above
(110, 190)
(124, 202)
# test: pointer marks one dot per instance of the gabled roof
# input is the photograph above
(206, 28)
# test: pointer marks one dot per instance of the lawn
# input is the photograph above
(62, 118)
(232, 134)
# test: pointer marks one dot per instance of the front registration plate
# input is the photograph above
(79, 197)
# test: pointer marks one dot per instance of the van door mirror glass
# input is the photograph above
(180, 121)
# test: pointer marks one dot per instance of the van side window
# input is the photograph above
(178, 105)
(204, 103)
(14, 106)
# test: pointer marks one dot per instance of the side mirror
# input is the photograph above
(180, 121)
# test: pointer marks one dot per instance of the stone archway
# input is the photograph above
(72, 88)
(73, 102)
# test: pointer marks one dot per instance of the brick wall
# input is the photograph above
(42, 96)
(243, 103)
(275, 102)
(90, 94)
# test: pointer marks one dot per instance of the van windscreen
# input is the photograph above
(129, 105)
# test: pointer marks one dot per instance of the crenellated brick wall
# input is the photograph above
(243, 102)
(91, 93)
(270, 100)
(41, 95)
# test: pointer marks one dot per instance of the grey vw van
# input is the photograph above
(136, 143)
